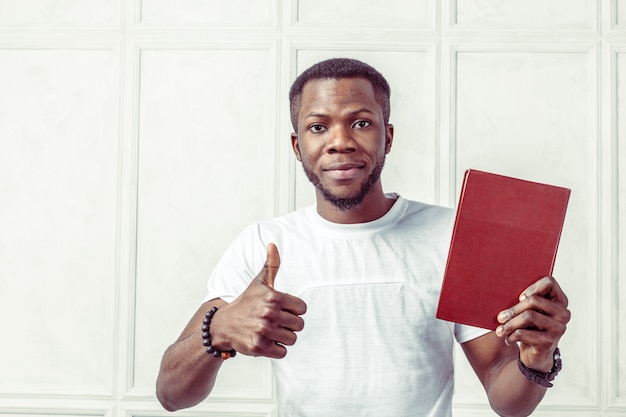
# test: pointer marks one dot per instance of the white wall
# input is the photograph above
(137, 137)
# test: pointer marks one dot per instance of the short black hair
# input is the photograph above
(335, 69)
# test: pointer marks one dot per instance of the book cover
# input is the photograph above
(506, 234)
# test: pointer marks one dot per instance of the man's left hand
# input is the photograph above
(537, 322)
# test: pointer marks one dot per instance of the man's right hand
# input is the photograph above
(261, 321)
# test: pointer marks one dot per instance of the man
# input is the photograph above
(366, 268)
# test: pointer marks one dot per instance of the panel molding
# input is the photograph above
(616, 399)
(601, 35)
(137, 48)
(451, 23)
(240, 408)
(452, 49)
(63, 22)
(594, 179)
(78, 393)
(70, 406)
(615, 25)
(388, 28)
(213, 25)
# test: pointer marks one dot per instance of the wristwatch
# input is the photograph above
(542, 378)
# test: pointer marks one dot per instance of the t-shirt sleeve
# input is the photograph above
(237, 267)
(464, 333)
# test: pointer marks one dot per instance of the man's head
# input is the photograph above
(338, 68)
(341, 136)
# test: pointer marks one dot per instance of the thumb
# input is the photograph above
(271, 266)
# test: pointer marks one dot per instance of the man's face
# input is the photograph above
(342, 139)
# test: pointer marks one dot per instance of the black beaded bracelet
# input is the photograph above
(206, 337)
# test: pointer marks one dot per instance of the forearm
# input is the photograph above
(187, 373)
(511, 394)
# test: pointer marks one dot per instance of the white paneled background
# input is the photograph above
(137, 138)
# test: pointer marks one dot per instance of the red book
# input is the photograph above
(506, 235)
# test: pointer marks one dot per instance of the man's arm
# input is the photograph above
(509, 392)
(536, 325)
(188, 372)
(260, 322)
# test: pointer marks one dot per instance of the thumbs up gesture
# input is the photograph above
(261, 321)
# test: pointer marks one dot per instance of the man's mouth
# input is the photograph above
(344, 171)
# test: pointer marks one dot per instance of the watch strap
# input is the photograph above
(542, 378)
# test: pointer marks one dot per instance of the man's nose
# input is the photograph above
(341, 140)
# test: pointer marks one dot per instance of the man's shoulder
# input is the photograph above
(292, 221)
(296, 216)
(420, 205)
(427, 211)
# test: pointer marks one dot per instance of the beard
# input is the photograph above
(351, 202)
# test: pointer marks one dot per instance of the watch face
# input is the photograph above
(558, 364)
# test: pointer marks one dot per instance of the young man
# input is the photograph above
(366, 268)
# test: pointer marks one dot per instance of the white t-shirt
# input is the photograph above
(371, 345)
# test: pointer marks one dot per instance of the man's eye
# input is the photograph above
(362, 124)
(317, 128)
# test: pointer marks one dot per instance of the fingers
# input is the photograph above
(534, 327)
(548, 288)
(537, 322)
(291, 322)
(292, 304)
(283, 334)
(272, 331)
(522, 312)
(542, 307)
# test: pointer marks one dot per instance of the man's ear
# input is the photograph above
(295, 146)
(389, 137)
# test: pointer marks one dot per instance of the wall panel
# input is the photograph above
(205, 170)
(58, 216)
(50, 13)
(530, 114)
(139, 136)
(208, 14)
(393, 14)
(520, 14)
